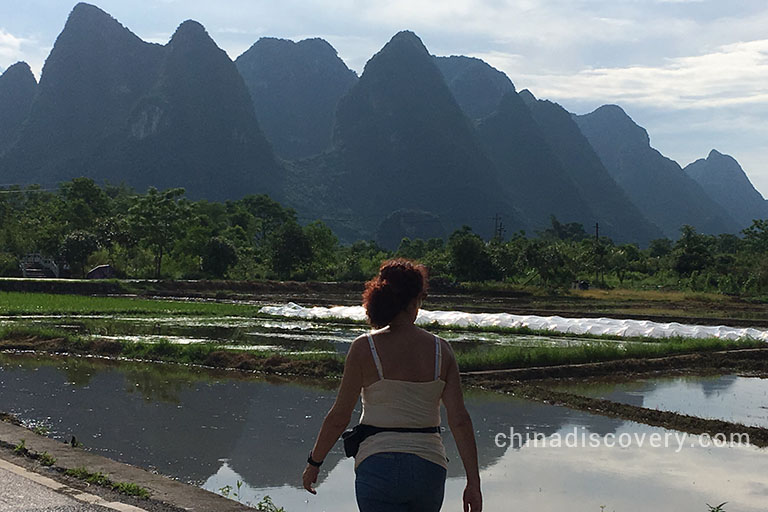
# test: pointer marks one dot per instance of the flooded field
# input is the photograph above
(726, 397)
(288, 334)
(215, 428)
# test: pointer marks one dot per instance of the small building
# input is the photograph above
(580, 285)
(101, 272)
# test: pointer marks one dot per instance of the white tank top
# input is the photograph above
(400, 403)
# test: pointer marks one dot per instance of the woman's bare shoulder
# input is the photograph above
(358, 342)
(361, 344)
(445, 344)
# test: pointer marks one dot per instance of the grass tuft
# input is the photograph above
(46, 459)
(98, 478)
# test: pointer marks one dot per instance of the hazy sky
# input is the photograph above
(694, 73)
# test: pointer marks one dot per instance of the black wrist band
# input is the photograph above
(313, 462)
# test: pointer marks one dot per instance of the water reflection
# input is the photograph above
(214, 428)
(580, 479)
(726, 397)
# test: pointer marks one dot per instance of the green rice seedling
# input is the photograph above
(17, 303)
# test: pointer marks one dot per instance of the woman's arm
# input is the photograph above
(338, 417)
(463, 433)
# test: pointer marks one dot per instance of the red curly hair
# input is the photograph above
(398, 283)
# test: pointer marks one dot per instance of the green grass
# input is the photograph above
(29, 331)
(523, 357)
(103, 480)
(82, 473)
(159, 350)
(197, 353)
(21, 448)
(46, 459)
(17, 303)
(484, 357)
(130, 489)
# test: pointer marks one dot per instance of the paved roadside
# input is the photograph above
(27, 480)
(22, 490)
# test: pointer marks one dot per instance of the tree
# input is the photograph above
(158, 219)
(660, 247)
(324, 245)
(469, 256)
(289, 249)
(756, 236)
(76, 247)
(573, 231)
(84, 203)
(360, 261)
(551, 263)
(692, 252)
(218, 255)
(267, 214)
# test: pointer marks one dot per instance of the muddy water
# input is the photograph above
(725, 397)
(217, 428)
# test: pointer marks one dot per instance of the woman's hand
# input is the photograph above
(473, 499)
(310, 477)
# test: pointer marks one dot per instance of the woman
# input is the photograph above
(402, 372)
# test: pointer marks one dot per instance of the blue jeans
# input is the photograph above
(399, 482)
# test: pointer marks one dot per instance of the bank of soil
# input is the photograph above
(223, 359)
(166, 495)
(536, 384)
(750, 360)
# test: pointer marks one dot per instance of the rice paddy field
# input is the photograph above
(150, 381)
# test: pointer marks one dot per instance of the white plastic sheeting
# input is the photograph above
(584, 326)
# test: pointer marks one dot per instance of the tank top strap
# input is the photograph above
(438, 357)
(376, 357)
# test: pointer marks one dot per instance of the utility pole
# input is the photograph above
(498, 227)
(597, 248)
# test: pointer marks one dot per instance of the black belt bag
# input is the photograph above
(359, 433)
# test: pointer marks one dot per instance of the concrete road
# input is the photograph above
(24, 491)
(166, 494)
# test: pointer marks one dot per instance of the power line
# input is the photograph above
(30, 191)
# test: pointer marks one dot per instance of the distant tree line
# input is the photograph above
(161, 234)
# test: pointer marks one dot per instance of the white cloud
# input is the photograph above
(14, 49)
(735, 74)
(10, 46)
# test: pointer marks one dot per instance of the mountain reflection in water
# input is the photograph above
(214, 428)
